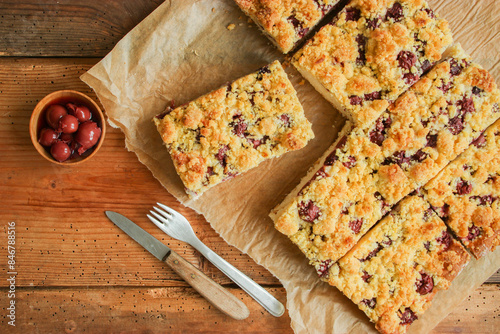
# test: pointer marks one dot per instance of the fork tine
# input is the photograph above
(155, 221)
(161, 218)
(166, 208)
(163, 213)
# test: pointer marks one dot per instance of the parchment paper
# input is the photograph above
(183, 50)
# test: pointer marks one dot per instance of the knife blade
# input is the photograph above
(146, 240)
(213, 292)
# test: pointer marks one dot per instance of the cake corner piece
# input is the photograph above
(286, 25)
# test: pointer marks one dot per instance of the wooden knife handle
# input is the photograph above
(213, 292)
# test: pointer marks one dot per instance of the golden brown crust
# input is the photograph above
(393, 183)
(481, 78)
(453, 260)
(372, 52)
(234, 128)
(286, 22)
(395, 270)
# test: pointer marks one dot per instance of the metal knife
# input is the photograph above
(213, 292)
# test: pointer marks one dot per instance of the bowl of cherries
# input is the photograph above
(67, 127)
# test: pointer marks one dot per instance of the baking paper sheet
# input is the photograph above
(184, 49)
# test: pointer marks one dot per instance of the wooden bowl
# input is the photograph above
(37, 122)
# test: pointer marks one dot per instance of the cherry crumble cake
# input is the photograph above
(371, 53)
(447, 109)
(234, 128)
(370, 169)
(342, 196)
(286, 22)
(395, 270)
(466, 194)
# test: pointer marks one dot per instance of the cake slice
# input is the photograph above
(466, 194)
(395, 270)
(371, 53)
(345, 193)
(230, 130)
(450, 107)
(286, 22)
(370, 169)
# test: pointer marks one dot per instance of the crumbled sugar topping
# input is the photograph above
(232, 129)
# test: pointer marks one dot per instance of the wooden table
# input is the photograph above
(75, 272)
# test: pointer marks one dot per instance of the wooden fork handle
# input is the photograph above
(213, 292)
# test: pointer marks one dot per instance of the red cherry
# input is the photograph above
(47, 137)
(71, 108)
(54, 114)
(81, 112)
(60, 151)
(67, 138)
(87, 136)
(68, 124)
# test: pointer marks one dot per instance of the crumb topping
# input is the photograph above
(371, 169)
(395, 270)
(234, 128)
(286, 22)
(372, 52)
(466, 194)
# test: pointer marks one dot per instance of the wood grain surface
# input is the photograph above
(76, 271)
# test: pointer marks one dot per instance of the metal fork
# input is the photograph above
(177, 226)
